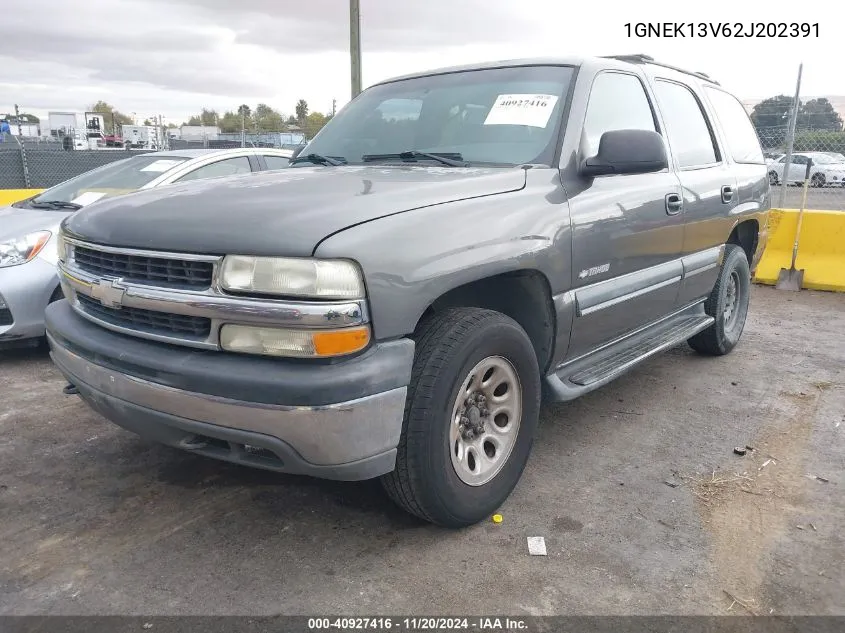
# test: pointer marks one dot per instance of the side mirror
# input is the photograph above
(627, 152)
(297, 151)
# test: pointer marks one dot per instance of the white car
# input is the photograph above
(28, 229)
(825, 171)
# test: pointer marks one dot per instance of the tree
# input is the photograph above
(314, 122)
(208, 117)
(818, 114)
(230, 122)
(112, 117)
(291, 120)
(772, 112)
(171, 126)
(148, 122)
(267, 119)
(301, 111)
(194, 120)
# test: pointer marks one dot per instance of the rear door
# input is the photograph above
(708, 182)
(627, 230)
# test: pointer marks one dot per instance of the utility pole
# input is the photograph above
(790, 139)
(18, 117)
(334, 107)
(355, 45)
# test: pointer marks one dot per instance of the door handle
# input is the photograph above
(727, 194)
(674, 204)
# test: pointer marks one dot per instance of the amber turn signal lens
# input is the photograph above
(340, 342)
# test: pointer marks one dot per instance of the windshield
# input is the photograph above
(821, 159)
(122, 176)
(505, 116)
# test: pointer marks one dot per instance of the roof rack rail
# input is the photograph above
(641, 58)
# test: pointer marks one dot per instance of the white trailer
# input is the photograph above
(140, 136)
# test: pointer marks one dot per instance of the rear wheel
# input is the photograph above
(728, 303)
(470, 417)
(773, 178)
(818, 180)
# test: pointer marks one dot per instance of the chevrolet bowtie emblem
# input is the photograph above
(109, 292)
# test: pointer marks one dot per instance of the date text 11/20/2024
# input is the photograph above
(417, 624)
(722, 29)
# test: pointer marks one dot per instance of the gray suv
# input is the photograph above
(452, 248)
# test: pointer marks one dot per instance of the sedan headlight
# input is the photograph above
(23, 249)
(299, 277)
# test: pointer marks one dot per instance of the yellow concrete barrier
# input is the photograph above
(8, 196)
(821, 248)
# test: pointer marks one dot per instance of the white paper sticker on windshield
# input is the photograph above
(161, 165)
(533, 110)
(88, 197)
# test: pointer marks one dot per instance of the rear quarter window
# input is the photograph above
(740, 135)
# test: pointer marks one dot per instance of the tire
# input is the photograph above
(449, 346)
(818, 180)
(721, 337)
(773, 178)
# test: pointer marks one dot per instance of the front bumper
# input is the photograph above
(25, 290)
(336, 421)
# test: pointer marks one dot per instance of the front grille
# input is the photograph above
(6, 316)
(155, 270)
(149, 321)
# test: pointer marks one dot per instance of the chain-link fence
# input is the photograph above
(37, 165)
(807, 144)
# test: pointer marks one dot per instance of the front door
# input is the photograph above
(627, 230)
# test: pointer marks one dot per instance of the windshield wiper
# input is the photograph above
(319, 159)
(54, 204)
(453, 159)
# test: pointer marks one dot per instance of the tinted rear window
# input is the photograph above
(740, 134)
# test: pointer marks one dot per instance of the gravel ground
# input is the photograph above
(643, 504)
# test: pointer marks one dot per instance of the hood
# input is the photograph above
(15, 223)
(284, 212)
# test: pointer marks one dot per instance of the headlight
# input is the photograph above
(22, 250)
(271, 341)
(315, 278)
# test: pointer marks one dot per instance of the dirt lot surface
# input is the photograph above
(643, 504)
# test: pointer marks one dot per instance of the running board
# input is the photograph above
(591, 372)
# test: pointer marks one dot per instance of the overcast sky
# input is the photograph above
(172, 57)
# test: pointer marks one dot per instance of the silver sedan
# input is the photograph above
(28, 229)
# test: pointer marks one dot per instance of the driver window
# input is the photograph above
(618, 101)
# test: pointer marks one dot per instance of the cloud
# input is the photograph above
(174, 57)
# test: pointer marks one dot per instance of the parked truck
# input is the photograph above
(399, 301)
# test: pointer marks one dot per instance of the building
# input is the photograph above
(195, 133)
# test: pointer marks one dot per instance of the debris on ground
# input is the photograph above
(739, 450)
(814, 527)
(822, 479)
(671, 484)
(749, 447)
(745, 604)
(497, 518)
(800, 527)
(765, 463)
(536, 546)
(148, 625)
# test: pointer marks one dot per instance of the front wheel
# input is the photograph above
(470, 417)
(773, 178)
(818, 180)
(728, 303)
